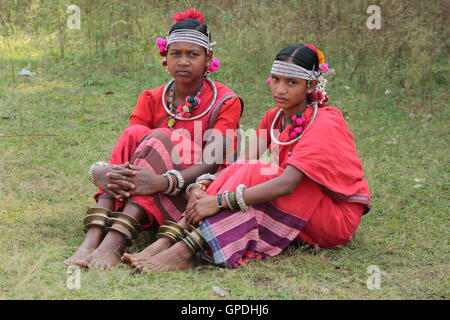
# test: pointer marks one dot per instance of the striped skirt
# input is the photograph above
(236, 237)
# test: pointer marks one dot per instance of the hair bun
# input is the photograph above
(188, 14)
(319, 53)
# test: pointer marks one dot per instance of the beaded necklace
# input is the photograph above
(184, 111)
(297, 122)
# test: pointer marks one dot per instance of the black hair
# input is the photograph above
(191, 24)
(301, 55)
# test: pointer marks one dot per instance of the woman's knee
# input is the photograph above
(137, 131)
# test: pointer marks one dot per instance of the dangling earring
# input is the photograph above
(164, 63)
(206, 73)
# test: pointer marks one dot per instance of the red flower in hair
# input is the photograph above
(188, 14)
(311, 47)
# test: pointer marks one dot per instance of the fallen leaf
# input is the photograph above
(417, 186)
(220, 291)
(25, 72)
(109, 92)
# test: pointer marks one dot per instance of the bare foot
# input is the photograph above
(78, 255)
(100, 260)
(93, 239)
(107, 255)
(153, 249)
(177, 257)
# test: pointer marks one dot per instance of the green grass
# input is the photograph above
(52, 128)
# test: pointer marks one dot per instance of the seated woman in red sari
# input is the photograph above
(254, 209)
(176, 133)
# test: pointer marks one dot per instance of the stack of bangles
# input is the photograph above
(234, 199)
(201, 183)
(176, 182)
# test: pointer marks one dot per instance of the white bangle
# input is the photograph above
(95, 166)
(169, 188)
(180, 180)
(206, 176)
(189, 187)
(240, 197)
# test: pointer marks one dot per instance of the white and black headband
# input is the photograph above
(291, 70)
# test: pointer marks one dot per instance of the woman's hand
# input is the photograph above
(202, 206)
(194, 194)
(139, 181)
(108, 185)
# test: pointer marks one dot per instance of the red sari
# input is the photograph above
(325, 208)
(150, 143)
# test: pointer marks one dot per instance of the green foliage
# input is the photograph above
(54, 126)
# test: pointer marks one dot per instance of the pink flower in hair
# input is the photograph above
(268, 80)
(161, 44)
(214, 65)
(324, 67)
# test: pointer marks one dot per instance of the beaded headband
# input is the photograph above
(291, 70)
(189, 35)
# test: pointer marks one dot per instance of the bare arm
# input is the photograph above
(274, 188)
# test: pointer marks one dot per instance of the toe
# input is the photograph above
(82, 263)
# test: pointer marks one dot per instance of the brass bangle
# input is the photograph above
(96, 217)
(170, 230)
(124, 224)
(129, 219)
(123, 230)
(194, 240)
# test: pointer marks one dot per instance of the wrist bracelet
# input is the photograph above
(95, 166)
(169, 179)
(240, 197)
(180, 180)
(206, 176)
(219, 199)
(233, 201)
(204, 182)
(227, 199)
(193, 185)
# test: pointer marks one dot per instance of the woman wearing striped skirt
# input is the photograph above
(177, 132)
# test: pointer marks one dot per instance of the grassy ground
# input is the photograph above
(55, 125)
